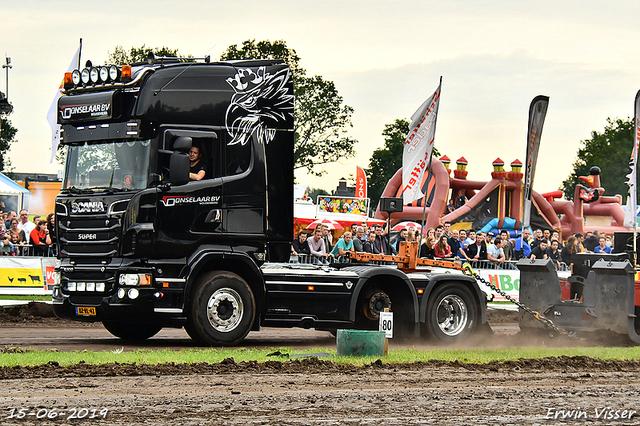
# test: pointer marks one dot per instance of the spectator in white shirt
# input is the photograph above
(26, 225)
(494, 252)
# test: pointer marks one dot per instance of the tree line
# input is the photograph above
(323, 119)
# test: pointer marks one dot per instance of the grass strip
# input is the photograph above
(16, 356)
(38, 298)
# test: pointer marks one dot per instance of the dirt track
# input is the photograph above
(311, 392)
(317, 392)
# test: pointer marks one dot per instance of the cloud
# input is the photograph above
(484, 108)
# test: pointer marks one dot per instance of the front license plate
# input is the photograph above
(86, 311)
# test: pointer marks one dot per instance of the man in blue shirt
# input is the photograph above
(522, 248)
(602, 247)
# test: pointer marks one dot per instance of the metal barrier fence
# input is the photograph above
(29, 250)
(478, 264)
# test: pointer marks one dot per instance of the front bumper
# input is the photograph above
(152, 303)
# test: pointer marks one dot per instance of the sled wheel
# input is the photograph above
(451, 313)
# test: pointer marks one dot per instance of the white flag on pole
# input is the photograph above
(632, 199)
(52, 115)
(418, 147)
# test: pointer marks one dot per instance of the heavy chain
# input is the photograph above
(467, 270)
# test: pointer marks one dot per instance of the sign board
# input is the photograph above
(27, 275)
(386, 324)
(344, 205)
(507, 280)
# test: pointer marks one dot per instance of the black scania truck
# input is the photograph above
(143, 247)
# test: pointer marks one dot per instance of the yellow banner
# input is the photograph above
(18, 277)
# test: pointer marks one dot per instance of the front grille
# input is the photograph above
(81, 236)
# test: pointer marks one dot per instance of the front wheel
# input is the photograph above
(130, 331)
(222, 309)
(452, 313)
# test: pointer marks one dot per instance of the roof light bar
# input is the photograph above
(91, 76)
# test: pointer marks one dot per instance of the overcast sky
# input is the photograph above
(386, 58)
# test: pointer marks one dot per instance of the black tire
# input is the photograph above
(131, 331)
(452, 313)
(222, 309)
(371, 302)
(188, 327)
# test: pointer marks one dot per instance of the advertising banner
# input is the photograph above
(361, 183)
(632, 200)
(537, 114)
(342, 205)
(27, 275)
(418, 147)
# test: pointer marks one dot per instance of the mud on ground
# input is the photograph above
(564, 390)
(316, 392)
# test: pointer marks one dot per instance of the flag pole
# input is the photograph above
(635, 253)
(80, 53)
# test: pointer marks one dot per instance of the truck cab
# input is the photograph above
(133, 228)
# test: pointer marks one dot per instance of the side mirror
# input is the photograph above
(182, 144)
(154, 179)
(179, 168)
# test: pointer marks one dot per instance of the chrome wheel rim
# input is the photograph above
(225, 310)
(452, 315)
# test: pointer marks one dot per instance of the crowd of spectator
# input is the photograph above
(443, 242)
(319, 247)
(20, 236)
(502, 250)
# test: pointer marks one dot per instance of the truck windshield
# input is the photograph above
(112, 165)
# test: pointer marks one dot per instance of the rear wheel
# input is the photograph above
(452, 313)
(130, 331)
(222, 309)
(370, 305)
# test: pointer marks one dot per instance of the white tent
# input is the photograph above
(13, 195)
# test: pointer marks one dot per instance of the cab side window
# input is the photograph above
(237, 158)
(208, 148)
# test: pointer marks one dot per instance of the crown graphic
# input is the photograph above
(246, 79)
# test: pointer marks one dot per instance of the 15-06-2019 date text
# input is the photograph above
(54, 413)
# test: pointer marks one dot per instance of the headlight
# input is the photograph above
(129, 279)
(94, 74)
(75, 77)
(113, 73)
(82, 286)
(133, 293)
(134, 279)
(71, 286)
(84, 76)
(104, 74)
(100, 287)
(121, 293)
(91, 286)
